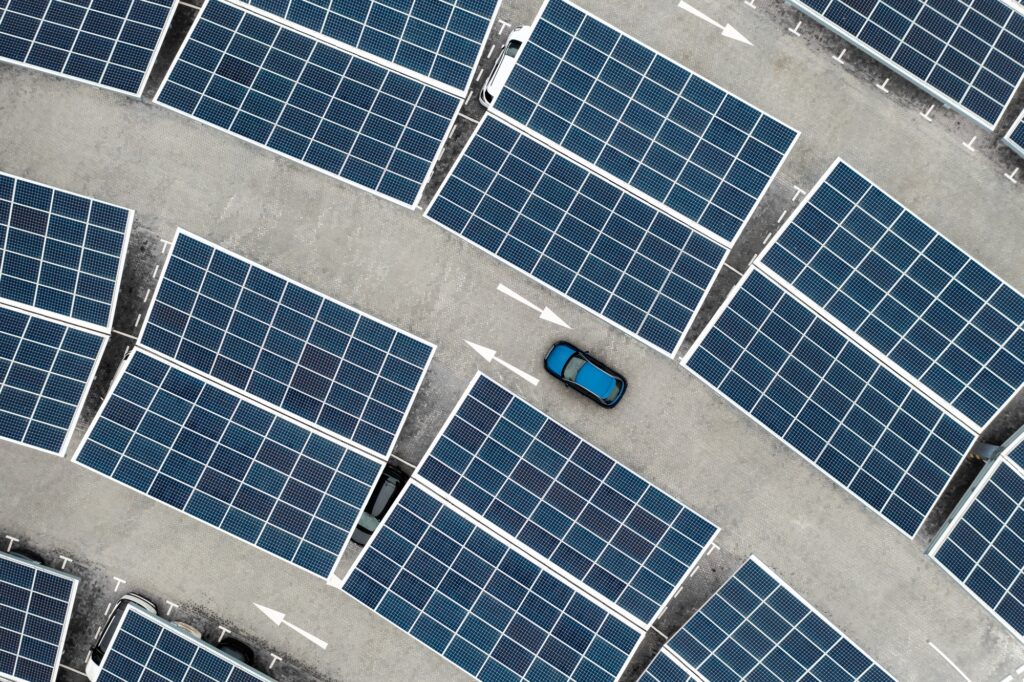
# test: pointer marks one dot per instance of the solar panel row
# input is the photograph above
(566, 500)
(643, 119)
(35, 607)
(907, 291)
(282, 343)
(481, 604)
(1015, 135)
(616, 255)
(233, 465)
(304, 99)
(756, 627)
(110, 43)
(968, 53)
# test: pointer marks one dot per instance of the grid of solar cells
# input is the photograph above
(984, 549)
(35, 605)
(60, 252)
(147, 648)
(303, 99)
(579, 234)
(111, 43)
(757, 628)
(481, 604)
(664, 669)
(970, 52)
(319, 360)
(45, 371)
(831, 401)
(566, 500)
(1015, 136)
(906, 290)
(644, 119)
(440, 39)
(222, 460)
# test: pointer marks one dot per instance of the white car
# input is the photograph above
(503, 67)
(92, 664)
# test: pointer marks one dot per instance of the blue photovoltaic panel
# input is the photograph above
(225, 461)
(664, 668)
(110, 43)
(59, 252)
(969, 53)
(757, 628)
(984, 546)
(301, 98)
(907, 291)
(319, 360)
(565, 499)
(579, 234)
(831, 401)
(45, 371)
(1015, 136)
(440, 39)
(480, 603)
(35, 606)
(644, 119)
(147, 648)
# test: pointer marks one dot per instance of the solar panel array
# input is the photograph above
(103, 42)
(548, 216)
(46, 368)
(757, 628)
(225, 461)
(969, 53)
(319, 360)
(61, 253)
(1015, 136)
(907, 291)
(983, 543)
(441, 39)
(35, 606)
(482, 604)
(657, 127)
(566, 500)
(306, 100)
(831, 401)
(148, 648)
(664, 668)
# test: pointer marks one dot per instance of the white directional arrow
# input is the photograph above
(492, 356)
(727, 30)
(277, 618)
(547, 314)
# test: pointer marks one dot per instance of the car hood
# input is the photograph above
(557, 358)
(594, 380)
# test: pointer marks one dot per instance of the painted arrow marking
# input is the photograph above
(727, 30)
(547, 314)
(277, 618)
(492, 356)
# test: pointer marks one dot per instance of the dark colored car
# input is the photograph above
(238, 650)
(381, 499)
(584, 373)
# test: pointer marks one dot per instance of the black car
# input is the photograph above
(383, 496)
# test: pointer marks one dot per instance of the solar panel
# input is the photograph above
(566, 500)
(665, 668)
(221, 459)
(146, 647)
(757, 627)
(831, 401)
(110, 43)
(616, 255)
(61, 253)
(321, 361)
(440, 39)
(46, 368)
(982, 545)
(299, 97)
(967, 53)
(907, 291)
(35, 607)
(480, 603)
(1015, 136)
(645, 120)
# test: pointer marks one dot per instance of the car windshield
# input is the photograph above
(368, 523)
(572, 368)
(513, 48)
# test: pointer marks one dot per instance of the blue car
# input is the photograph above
(591, 377)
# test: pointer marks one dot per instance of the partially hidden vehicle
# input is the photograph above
(381, 499)
(503, 65)
(92, 664)
(585, 374)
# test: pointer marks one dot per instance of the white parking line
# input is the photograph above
(950, 661)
